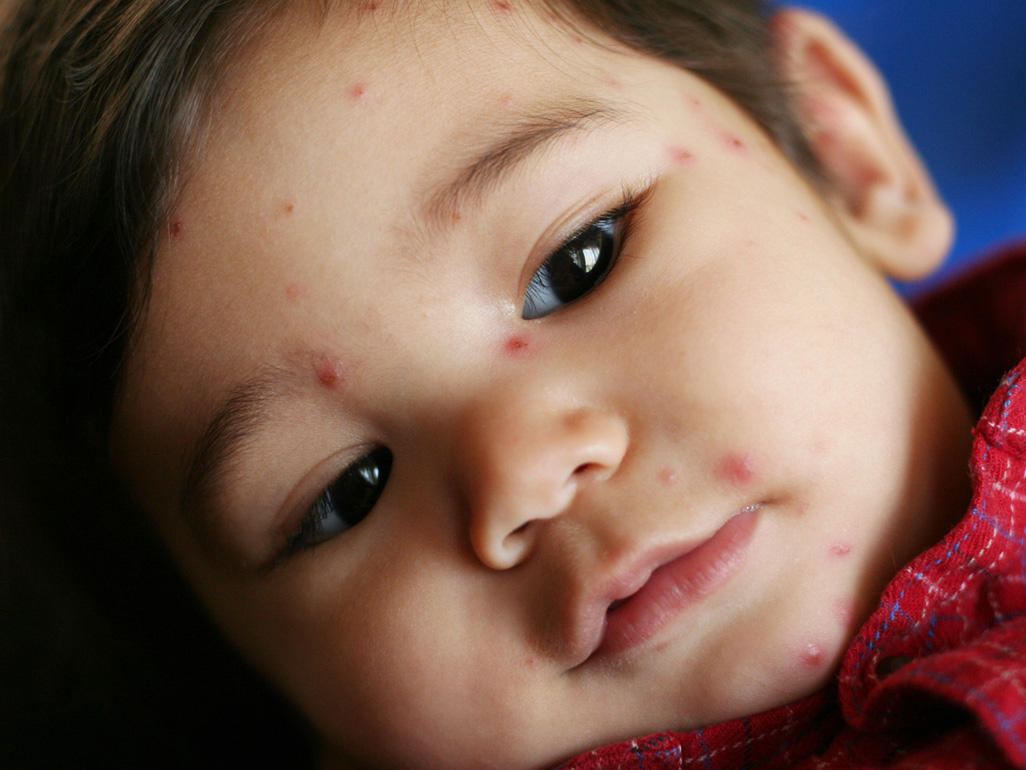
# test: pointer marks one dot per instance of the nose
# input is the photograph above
(525, 458)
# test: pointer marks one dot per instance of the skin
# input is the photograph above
(745, 353)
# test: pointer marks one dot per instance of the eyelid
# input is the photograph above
(303, 496)
(629, 197)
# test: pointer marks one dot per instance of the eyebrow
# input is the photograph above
(510, 146)
(249, 404)
(238, 417)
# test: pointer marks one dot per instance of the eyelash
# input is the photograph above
(370, 472)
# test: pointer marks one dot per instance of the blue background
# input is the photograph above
(957, 71)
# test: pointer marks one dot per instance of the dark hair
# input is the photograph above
(100, 102)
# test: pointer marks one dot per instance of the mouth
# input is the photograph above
(681, 580)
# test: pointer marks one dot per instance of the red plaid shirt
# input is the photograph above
(936, 678)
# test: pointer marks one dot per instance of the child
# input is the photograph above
(511, 379)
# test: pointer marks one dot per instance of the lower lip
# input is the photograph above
(678, 584)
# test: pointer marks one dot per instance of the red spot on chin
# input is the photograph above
(357, 90)
(500, 6)
(680, 155)
(668, 477)
(812, 655)
(840, 549)
(844, 611)
(174, 229)
(518, 345)
(330, 372)
(734, 468)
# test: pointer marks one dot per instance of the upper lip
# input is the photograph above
(624, 578)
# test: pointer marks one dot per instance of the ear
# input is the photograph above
(879, 188)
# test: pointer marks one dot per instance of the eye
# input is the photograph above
(580, 264)
(346, 502)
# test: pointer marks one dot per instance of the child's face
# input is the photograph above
(740, 430)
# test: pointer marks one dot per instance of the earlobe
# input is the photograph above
(876, 183)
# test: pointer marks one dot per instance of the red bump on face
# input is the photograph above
(330, 372)
(518, 346)
(668, 477)
(370, 7)
(357, 90)
(812, 655)
(293, 291)
(803, 216)
(734, 143)
(844, 611)
(840, 549)
(174, 229)
(288, 207)
(500, 6)
(680, 155)
(735, 468)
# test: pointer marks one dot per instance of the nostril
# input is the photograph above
(586, 468)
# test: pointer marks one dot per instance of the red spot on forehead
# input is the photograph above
(734, 143)
(735, 468)
(330, 372)
(500, 6)
(518, 345)
(812, 655)
(680, 155)
(357, 90)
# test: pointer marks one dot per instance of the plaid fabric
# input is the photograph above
(936, 678)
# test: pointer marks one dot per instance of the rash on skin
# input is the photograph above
(735, 468)
(330, 372)
(680, 155)
(517, 346)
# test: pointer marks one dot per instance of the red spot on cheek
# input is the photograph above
(293, 291)
(803, 216)
(668, 477)
(812, 655)
(680, 155)
(840, 549)
(330, 372)
(737, 469)
(518, 345)
(357, 91)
